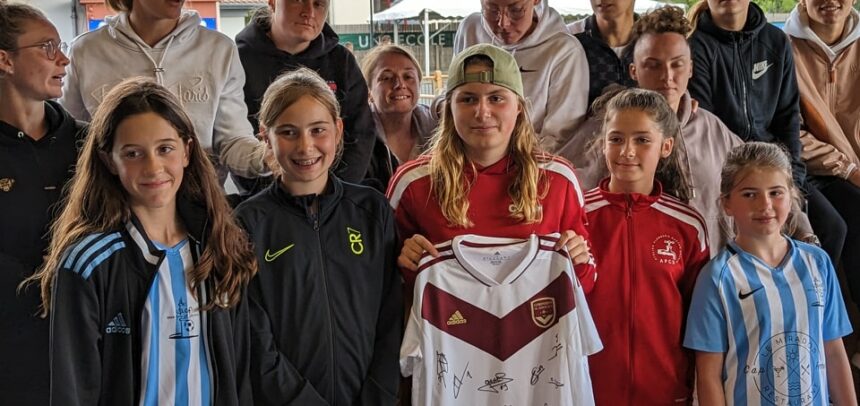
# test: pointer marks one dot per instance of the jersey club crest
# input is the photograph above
(543, 311)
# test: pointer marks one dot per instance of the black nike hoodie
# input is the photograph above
(263, 63)
(747, 79)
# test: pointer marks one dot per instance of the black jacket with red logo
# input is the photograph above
(326, 305)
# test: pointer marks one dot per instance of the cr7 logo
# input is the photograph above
(356, 245)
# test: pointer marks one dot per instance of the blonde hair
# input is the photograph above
(285, 91)
(760, 155)
(671, 172)
(98, 203)
(448, 166)
(695, 12)
(372, 58)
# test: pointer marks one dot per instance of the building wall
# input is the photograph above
(349, 12)
(63, 14)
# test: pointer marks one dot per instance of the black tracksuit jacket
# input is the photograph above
(93, 366)
(32, 176)
(326, 306)
(747, 79)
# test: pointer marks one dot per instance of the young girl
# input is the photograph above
(326, 305)
(157, 39)
(146, 267)
(650, 246)
(767, 317)
(37, 154)
(484, 173)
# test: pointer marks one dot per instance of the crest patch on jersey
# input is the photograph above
(666, 250)
(543, 311)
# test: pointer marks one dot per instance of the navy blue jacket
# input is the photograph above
(747, 79)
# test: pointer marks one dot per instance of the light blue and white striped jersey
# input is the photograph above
(771, 323)
(174, 362)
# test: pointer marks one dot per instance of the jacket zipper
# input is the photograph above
(204, 320)
(743, 91)
(316, 224)
(630, 266)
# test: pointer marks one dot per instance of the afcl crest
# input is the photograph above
(543, 311)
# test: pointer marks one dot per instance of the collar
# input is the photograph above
(53, 117)
(302, 205)
(685, 109)
(632, 201)
(504, 166)
(194, 217)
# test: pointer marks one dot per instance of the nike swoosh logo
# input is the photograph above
(759, 72)
(271, 256)
(523, 70)
(743, 296)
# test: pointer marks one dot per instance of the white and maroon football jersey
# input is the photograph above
(499, 321)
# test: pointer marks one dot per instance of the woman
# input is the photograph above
(37, 155)
(484, 173)
(402, 125)
(157, 39)
(824, 40)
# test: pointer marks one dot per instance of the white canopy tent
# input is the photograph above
(442, 9)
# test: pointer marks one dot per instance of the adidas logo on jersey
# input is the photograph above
(456, 319)
(118, 326)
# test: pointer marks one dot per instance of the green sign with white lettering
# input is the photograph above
(361, 41)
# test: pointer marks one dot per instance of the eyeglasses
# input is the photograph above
(50, 48)
(514, 12)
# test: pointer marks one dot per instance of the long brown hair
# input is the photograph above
(96, 201)
(671, 172)
(448, 165)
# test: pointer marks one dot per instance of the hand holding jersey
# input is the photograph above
(486, 144)
(499, 321)
(415, 247)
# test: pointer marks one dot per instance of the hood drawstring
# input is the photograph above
(157, 69)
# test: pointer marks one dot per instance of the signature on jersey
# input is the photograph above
(498, 382)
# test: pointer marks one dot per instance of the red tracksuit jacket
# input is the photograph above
(649, 249)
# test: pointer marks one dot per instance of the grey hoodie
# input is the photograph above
(554, 71)
(200, 66)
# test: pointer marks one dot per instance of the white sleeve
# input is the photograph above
(71, 100)
(410, 349)
(567, 97)
(233, 137)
